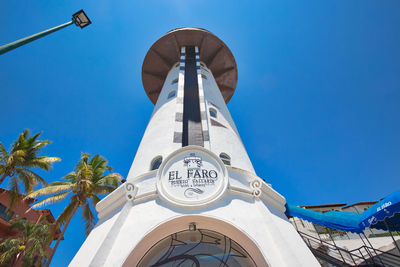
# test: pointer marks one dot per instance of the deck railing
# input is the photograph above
(339, 256)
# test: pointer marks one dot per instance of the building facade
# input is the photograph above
(192, 196)
(21, 210)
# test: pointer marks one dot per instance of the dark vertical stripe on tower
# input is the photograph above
(192, 130)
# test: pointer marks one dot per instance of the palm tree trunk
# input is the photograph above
(14, 259)
(59, 237)
(17, 258)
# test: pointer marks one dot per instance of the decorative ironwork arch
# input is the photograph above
(197, 248)
(228, 235)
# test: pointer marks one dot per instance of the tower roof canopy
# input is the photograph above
(165, 52)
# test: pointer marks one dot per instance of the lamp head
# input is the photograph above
(81, 19)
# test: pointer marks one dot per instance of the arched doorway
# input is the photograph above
(197, 247)
(196, 241)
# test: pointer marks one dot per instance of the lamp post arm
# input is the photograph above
(20, 42)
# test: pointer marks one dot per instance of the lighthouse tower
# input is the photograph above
(192, 197)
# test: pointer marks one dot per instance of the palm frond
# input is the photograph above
(37, 177)
(88, 218)
(51, 188)
(83, 160)
(18, 144)
(39, 144)
(14, 191)
(97, 161)
(58, 183)
(43, 162)
(70, 177)
(17, 157)
(99, 165)
(85, 173)
(95, 200)
(19, 153)
(18, 224)
(3, 152)
(37, 240)
(47, 160)
(32, 236)
(27, 180)
(51, 200)
(103, 189)
(32, 139)
(112, 179)
(9, 249)
(68, 212)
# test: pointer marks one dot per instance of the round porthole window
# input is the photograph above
(172, 94)
(225, 159)
(155, 163)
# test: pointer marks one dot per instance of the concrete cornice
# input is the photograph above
(143, 188)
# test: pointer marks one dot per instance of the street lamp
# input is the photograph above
(79, 19)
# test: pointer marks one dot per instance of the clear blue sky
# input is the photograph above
(317, 102)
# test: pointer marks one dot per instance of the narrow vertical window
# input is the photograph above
(175, 81)
(213, 112)
(192, 133)
(171, 94)
(155, 163)
(225, 159)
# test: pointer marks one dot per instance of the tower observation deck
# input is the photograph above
(166, 51)
(192, 197)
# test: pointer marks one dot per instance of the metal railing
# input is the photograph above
(336, 255)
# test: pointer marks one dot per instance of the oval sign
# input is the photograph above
(192, 176)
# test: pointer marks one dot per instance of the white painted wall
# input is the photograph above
(124, 223)
(275, 236)
(224, 140)
(158, 137)
(249, 204)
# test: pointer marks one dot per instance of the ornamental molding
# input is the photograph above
(145, 187)
(130, 191)
(256, 185)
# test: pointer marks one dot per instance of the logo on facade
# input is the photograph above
(192, 162)
(192, 177)
(372, 220)
(383, 206)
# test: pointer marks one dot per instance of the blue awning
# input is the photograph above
(387, 209)
(340, 220)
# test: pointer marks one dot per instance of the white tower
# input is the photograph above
(192, 197)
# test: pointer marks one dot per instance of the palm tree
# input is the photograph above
(22, 157)
(85, 184)
(31, 243)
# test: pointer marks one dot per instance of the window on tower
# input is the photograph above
(225, 159)
(155, 163)
(175, 81)
(172, 94)
(204, 76)
(213, 112)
